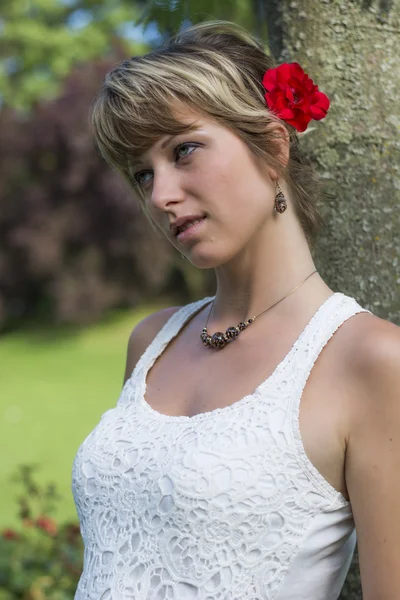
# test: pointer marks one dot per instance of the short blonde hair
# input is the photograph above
(215, 68)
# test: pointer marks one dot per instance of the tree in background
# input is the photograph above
(73, 242)
(42, 40)
(171, 15)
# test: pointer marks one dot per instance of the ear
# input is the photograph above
(279, 133)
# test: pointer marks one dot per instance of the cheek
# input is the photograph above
(233, 191)
(237, 176)
(243, 196)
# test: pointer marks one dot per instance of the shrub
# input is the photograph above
(40, 559)
(74, 244)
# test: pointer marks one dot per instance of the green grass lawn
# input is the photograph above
(54, 387)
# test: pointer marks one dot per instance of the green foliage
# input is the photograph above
(74, 241)
(40, 560)
(171, 15)
(43, 39)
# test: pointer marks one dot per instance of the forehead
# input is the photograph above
(186, 116)
(191, 119)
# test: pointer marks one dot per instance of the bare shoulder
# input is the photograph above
(373, 453)
(373, 352)
(376, 370)
(365, 357)
(143, 334)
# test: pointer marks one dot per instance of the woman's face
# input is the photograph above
(208, 172)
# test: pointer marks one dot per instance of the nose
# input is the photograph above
(167, 188)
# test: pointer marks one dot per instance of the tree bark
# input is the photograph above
(350, 49)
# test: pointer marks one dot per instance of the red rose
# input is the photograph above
(293, 96)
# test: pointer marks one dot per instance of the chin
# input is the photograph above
(202, 260)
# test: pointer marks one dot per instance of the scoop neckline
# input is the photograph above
(247, 399)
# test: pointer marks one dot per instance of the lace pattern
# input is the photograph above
(210, 507)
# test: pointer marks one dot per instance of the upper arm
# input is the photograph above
(373, 461)
(143, 334)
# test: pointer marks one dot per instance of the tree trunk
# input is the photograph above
(350, 49)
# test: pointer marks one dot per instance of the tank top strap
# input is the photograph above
(317, 335)
(169, 330)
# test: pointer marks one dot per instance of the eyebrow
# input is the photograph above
(190, 128)
(165, 143)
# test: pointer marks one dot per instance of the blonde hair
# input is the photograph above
(215, 68)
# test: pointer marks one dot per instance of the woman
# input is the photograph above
(207, 481)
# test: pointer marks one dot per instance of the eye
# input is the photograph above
(180, 151)
(139, 179)
(185, 146)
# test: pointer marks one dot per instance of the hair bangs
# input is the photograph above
(138, 102)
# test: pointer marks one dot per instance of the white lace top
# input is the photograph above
(224, 505)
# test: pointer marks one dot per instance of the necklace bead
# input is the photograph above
(219, 340)
(232, 332)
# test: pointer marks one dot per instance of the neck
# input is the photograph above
(266, 271)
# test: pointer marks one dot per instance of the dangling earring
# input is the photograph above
(280, 200)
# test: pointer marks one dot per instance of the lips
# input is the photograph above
(176, 226)
(190, 231)
(188, 225)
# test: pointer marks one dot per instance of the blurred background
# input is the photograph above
(79, 264)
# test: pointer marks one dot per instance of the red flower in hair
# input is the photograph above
(293, 96)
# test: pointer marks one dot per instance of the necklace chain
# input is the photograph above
(219, 340)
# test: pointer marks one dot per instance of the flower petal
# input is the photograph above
(320, 106)
(283, 73)
(270, 79)
(304, 104)
(310, 87)
(317, 112)
(297, 71)
(300, 121)
(286, 114)
(289, 94)
(323, 100)
(271, 98)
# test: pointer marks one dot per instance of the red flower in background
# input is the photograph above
(47, 524)
(10, 534)
(293, 96)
